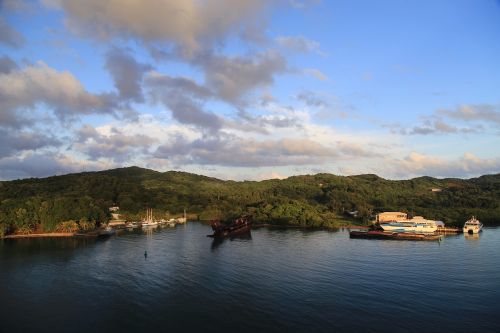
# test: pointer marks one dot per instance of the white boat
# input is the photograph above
(132, 225)
(472, 226)
(148, 221)
(182, 219)
(417, 224)
(149, 224)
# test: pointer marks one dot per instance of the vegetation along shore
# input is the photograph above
(81, 201)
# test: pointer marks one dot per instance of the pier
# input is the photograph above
(449, 230)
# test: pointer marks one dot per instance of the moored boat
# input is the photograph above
(472, 226)
(132, 225)
(240, 226)
(106, 232)
(149, 221)
(417, 224)
(182, 219)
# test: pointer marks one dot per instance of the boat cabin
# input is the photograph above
(391, 216)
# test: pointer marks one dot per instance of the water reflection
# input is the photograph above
(471, 237)
(216, 242)
(63, 249)
(28, 246)
(293, 281)
(149, 230)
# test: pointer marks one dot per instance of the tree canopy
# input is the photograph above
(321, 200)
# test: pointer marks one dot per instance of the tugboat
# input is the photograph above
(240, 226)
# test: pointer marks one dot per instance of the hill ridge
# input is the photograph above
(320, 200)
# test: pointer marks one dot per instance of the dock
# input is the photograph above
(394, 235)
(449, 230)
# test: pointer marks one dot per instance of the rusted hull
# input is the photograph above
(231, 231)
(393, 235)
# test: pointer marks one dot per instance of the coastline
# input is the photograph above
(95, 234)
(46, 235)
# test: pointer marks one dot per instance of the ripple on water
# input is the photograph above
(274, 281)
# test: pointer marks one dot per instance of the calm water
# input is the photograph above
(275, 281)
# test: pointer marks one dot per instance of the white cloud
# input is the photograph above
(113, 145)
(189, 25)
(26, 88)
(232, 78)
(229, 150)
(15, 141)
(9, 36)
(434, 127)
(303, 4)
(299, 44)
(270, 175)
(127, 74)
(473, 112)
(7, 65)
(46, 164)
(316, 73)
(417, 164)
(479, 118)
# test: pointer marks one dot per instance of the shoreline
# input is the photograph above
(94, 234)
(42, 235)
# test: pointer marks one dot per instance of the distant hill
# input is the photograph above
(322, 200)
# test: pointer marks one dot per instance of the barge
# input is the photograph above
(394, 235)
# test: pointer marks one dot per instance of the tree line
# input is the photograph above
(81, 201)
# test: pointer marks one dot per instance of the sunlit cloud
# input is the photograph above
(236, 89)
(416, 164)
(316, 73)
(192, 26)
(480, 112)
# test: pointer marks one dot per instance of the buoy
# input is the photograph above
(145, 254)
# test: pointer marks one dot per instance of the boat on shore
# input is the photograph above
(472, 226)
(240, 226)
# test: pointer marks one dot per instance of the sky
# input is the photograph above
(250, 89)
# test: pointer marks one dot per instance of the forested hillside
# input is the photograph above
(323, 200)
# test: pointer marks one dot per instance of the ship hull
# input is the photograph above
(472, 226)
(238, 227)
(228, 231)
(472, 230)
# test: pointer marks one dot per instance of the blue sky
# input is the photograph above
(250, 89)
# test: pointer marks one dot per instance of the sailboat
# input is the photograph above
(182, 219)
(148, 222)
